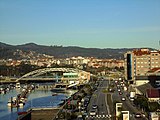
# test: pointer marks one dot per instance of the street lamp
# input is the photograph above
(79, 106)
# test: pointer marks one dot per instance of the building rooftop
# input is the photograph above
(153, 93)
(143, 88)
(154, 70)
(140, 52)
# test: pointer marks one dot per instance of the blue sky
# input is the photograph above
(85, 23)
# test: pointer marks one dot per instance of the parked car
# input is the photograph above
(138, 115)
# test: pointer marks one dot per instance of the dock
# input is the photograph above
(20, 99)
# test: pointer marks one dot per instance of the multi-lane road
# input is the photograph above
(105, 108)
(99, 98)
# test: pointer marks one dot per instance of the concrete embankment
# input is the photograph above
(43, 113)
(40, 114)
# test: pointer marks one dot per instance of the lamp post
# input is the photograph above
(79, 106)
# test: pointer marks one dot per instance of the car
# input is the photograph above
(138, 115)
(120, 93)
(85, 104)
(123, 98)
(143, 114)
(132, 99)
(94, 106)
(93, 112)
(80, 117)
(119, 90)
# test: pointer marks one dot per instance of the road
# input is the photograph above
(106, 108)
(99, 98)
(127, 104)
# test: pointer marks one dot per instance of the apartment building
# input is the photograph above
(76, 60)
(110, 63)
(138, 62)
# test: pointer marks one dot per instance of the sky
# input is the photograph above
(84, 23)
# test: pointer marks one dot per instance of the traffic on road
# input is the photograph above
(101, 105)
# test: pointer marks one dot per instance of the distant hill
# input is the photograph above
(7, 51)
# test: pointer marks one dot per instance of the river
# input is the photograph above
(36, 99)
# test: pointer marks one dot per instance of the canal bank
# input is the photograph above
(70, 108)
(39, 114)
(38, 98)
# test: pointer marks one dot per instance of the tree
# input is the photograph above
(153, 106)
(142, 102)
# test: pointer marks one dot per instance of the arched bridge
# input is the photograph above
(39, 72)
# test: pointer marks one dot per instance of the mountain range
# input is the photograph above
(7, 51)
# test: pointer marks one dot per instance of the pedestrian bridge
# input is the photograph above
(71, 73)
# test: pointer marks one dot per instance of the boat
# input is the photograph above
(18, 85)
(59, 87)
(2, 90)
(21, 104)
(9, 103)
(62, 102)
(23, 100)
(12, 102)
(22, 113)
(54, 94)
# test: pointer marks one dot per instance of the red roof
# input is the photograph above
(140, 52)
(153, 93)
(154, 70)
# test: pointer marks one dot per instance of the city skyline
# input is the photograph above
(91, 24)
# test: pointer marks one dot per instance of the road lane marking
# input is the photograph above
(107, 105)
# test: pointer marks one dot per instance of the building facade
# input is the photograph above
(138, 62)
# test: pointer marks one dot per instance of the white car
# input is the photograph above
(123, 98)
(93, 112)
(138, 115)
(79, 117)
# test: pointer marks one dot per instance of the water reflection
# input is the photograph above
(36, 99)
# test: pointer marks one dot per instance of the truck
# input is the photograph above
(132, 95)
